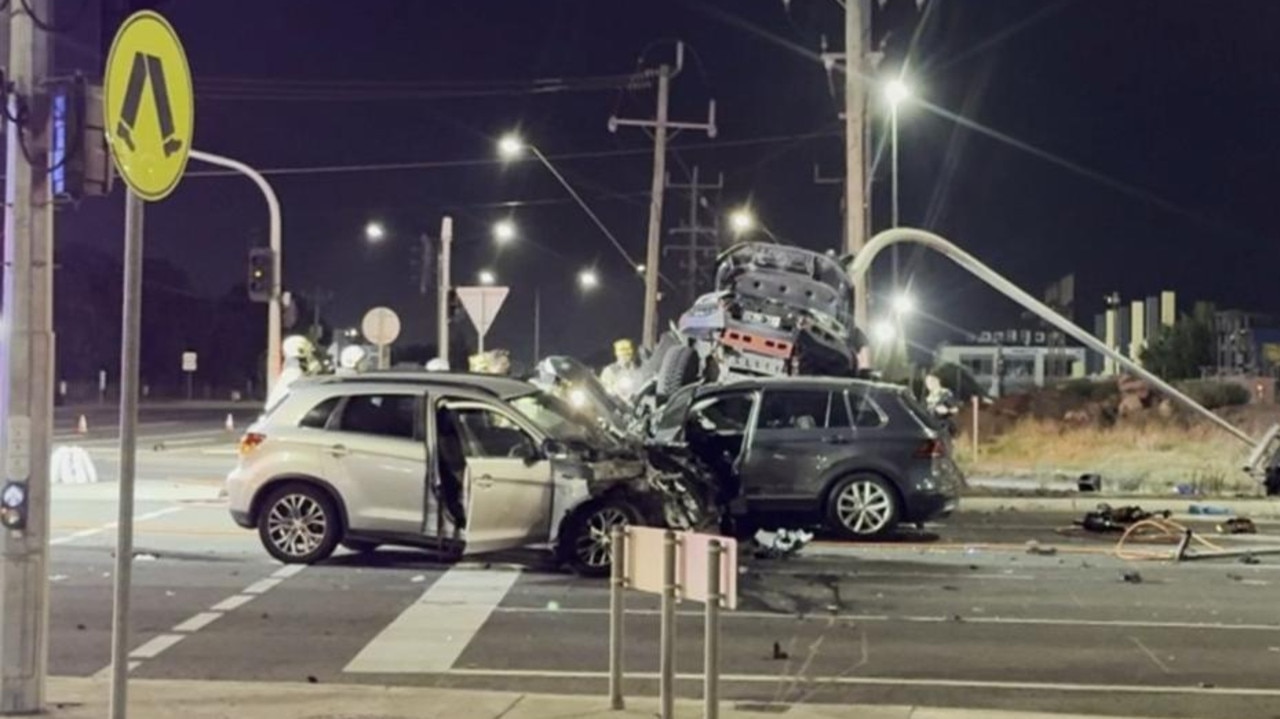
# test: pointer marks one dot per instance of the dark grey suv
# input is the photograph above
(857, 457)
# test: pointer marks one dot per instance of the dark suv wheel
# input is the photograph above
(862, 506)
(299, 524)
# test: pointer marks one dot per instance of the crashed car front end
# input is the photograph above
(664, 485)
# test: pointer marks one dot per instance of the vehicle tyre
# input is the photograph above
(862, 506)
(679, 368)
(585, 544)
(360, 546)
(299, 524)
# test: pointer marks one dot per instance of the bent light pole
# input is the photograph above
(862, 262)
(273, 234)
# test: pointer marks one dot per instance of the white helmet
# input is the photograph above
(438, 364)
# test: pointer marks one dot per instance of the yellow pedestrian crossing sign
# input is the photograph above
(149, 105)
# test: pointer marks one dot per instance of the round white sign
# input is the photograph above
(381, 326)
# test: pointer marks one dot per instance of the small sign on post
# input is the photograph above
(381, 326)
(482, 305)
(189, 364)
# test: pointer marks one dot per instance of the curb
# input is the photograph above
(1252, 508)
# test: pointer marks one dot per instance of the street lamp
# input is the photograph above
(742, 220)
(375, 232)
(903, 304)
(504, 231)
(487, 277)
(510, 146)
(641, 269)
(588, 279)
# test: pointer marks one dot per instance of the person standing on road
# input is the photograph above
(622, 378)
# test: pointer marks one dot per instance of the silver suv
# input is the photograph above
(459, 463)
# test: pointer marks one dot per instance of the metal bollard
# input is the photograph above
(617, 584)
(667, 668)
(711, 669)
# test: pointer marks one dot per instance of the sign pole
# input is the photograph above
(667, 670)
(131, 331)
(617, 584)
(711, 670)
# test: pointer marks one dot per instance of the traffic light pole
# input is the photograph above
(27, 370)
(274, 360)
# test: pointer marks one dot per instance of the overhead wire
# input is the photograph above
(51, 27)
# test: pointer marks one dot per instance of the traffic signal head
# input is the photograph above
(261, 274)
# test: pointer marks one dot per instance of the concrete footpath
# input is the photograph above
(76, 698)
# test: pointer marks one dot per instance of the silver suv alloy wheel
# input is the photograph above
(594, 546)
(296, 524)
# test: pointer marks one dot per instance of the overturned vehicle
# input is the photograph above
(776, 311)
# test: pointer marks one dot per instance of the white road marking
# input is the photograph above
(967, 619)
(232, 603)
(433, 632)
(198, 622)
(889, 681)
(155, 646)
(159, 644)
(288, 570)
(112, 525)
(262, 585)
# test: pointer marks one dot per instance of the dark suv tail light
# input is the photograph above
(932, 449)
(250, 442)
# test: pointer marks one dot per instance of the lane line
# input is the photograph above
(921, 619)
(198, 622)
(232, 603)
(288, 570)
(262, 585)
(112, 525)
(161, 643)
(155, 646)
(812, 681)
(432, 633)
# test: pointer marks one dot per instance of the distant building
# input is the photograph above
(1014, 360)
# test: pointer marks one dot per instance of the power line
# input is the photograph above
(486, 161)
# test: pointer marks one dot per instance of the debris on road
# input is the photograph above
(1034, 547)
(778, 654)
(1249, 558)
(1116, 519)
(1208, 509)
(1237, 525)
(781, 544)
(1131, 576)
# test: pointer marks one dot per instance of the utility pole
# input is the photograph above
(857, 16)
(442, 288)
(661, 124)
(820, 179)
(698, 253)
(27, 373)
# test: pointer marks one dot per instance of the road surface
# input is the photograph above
(957, 615)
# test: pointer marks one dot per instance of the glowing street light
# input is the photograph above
(896, 91)
(903, 304)
(487, 277)
(588, 279)
(510, 146)
(375, 232)
(641, 269)
(742, 220)
(504, 231)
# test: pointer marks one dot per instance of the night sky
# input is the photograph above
(1131, 142)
